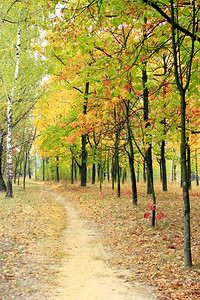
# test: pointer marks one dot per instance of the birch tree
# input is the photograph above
(20, 85)
(9, 191)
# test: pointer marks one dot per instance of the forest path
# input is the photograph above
(85, 275)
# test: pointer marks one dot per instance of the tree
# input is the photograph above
(9, 191)
(2, 182)
(15, 18)
(160, 8)
(183, 74)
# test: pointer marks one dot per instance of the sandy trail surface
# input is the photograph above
(85, 275)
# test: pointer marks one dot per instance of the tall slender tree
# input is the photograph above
(9, 190)
(183, 73)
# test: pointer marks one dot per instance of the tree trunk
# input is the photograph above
(175, 172)
(138, 170)
(24, 172)
(113, 175)
(9, 190)
(117, 161)
(163, 167)
(18, 179)
(43, 169)
(117, 164)
(188, 163)
(93, 173)
(185, 186)
(124, 171)
(131, 164)
(84, 142)
(57, 169)
(75, 171)
(101, 176)
(196, 167)
(182, 90)
(2, 182)
(29, 166)
(20, 170)
(35, 165)
(72, 170)
(144, 172)
(84, 161)
(133, 179)
(146, 119)
(150, 170)
(114, 167)
(108, 168)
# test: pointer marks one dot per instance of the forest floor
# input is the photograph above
(31, 225)
(40, 229)
(153, 256)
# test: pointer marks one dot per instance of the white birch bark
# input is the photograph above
(9, 192)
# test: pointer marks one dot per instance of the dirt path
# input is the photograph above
(85, 274)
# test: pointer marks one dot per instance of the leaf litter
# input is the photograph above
(31, 249)
(154, 256)
(30, 226)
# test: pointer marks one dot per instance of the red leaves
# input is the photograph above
(159, 216)
(151, 207)
(146, 215)
(162, 215)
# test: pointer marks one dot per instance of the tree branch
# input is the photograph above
(169, 20)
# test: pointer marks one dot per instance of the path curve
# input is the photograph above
(85, 275)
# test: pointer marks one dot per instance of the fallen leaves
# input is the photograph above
(154, 255)
(30, 226)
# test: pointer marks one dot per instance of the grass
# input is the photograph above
(153, 255)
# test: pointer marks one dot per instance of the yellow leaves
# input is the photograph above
(36, 48)
(49, 112)
(115, 101)
(111, 103)
(53, 107)
(124, 94)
